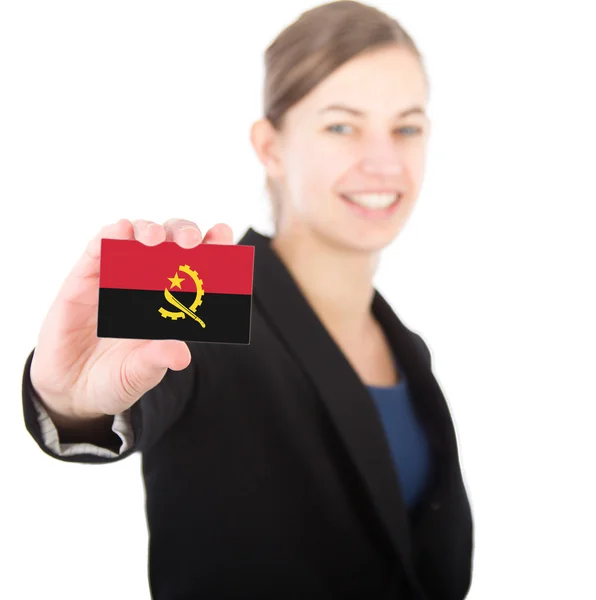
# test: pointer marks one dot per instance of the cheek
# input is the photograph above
(330, 162)
(413, 163)
(417, 160)
(314, 174)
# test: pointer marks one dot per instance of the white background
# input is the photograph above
(143, 109)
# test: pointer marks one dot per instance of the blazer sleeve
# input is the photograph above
(138, 428)
(121, 426)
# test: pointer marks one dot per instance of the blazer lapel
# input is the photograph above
(345, 397)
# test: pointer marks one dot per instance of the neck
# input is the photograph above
(337, 282)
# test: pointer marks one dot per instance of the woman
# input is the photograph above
(320, 460)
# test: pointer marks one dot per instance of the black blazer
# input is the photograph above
(268, 474)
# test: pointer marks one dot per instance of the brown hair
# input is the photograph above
(316, 44)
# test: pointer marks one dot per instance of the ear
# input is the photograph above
(265, 140)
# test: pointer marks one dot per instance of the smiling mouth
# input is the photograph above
(366, 209)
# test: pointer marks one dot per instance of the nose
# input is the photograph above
(381, 156)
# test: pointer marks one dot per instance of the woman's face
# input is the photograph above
(376, 143)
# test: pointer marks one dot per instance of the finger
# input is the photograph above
(148, 232)
(184, 232)
(88, 264)
(221, 233)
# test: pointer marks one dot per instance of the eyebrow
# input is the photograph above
(360, 113)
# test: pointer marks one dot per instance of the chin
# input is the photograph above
(373, 243)
(360, 240)
(364, 230)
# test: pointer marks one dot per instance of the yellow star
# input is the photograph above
(176, 281)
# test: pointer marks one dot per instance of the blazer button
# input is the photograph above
(435, 505)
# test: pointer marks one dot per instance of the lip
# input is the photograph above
(373, 213)
(358, 192)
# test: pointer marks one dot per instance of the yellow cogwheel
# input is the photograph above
(167, 314)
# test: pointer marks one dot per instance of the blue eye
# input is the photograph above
(413, 130)
(337, 125)
(417, 130)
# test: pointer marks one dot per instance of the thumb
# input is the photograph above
(146, 366)
(172, 354)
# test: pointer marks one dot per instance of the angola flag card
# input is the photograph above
(200, 294)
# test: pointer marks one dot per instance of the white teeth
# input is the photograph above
(373, 200)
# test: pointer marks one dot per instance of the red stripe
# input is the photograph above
(131, 265)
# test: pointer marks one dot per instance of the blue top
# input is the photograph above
(406, 437)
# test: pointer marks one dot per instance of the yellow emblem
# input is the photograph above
(183, 311)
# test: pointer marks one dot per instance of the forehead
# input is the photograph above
(380, 80)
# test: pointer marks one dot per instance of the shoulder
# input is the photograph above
(422, 346)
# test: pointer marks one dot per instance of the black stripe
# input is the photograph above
(135, 314)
